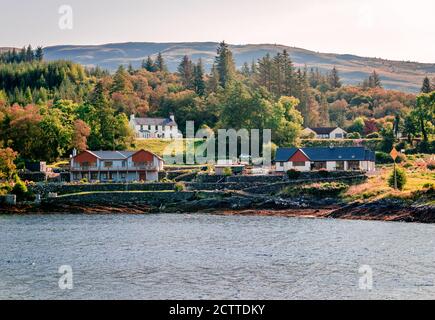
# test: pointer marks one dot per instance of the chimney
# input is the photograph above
(172, 117)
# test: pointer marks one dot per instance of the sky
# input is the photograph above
(390, 29)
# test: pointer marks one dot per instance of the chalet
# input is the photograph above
(116, 166)
(329, 158)
(325, 132)
(146, 128)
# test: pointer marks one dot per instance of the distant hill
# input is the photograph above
(400, 75)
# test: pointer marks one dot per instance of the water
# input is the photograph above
(213, 257)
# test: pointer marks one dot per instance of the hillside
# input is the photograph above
(400, 75)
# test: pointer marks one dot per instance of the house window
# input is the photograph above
(353, 165)
(160, 128)
(319, 165)
(339, 165)
(124, 163)
(123, 175)
(108, 164)
(94, 175)
(103, 175)
(339, 135)
(298, 163)
(76, 176)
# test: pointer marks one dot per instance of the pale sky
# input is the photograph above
(391, 29)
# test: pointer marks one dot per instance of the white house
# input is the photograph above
(146, 128)
(329, 158)
(116, 166)
(325, 132)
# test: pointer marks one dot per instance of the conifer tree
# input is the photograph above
(198, 82)
(225, 65)
(334, 79)
(185, 69)
(426, 87)
(160, 63)
(39, 54)
(149, 65)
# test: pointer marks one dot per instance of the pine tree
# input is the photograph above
(121, 83)
(245, 71)
(185, 69)
(149, 65)
(198, 81)
(265, 67)
(29, 54)
(160, 63)
(374, 80)
(334, 79)
(323, 112)
(225, 65)
(213, 80)
(426, 87)
(39, 54)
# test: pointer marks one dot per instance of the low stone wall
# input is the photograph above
(121, 198)
(276, 187)
(45, 188)
(8, 199)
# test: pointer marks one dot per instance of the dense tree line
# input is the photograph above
(48, 108)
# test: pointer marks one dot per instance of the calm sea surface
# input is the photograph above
(175, 256)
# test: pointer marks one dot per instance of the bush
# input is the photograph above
(293, 174)
(353, 135)
(179, 186)
(385, 158)
(431, 165)
(401, 179)
(323, 173)
(373, 135)
(20, 190)
(228, 171)
(5, 188)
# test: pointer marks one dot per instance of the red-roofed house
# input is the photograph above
(116, 166)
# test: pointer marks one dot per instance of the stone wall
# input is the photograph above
(121, 198)
(45, 188)
(276, 187)
(8, 199)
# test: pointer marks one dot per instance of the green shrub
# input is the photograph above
(385, 158)
(373, 135)
(353, 135)
(228, 171)
(323, 173)
(431, 165)
(179, 186)
(20, 190)
(293, 174)
(5, 188)
(401, 179)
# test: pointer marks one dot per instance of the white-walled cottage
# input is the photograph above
(146, 128)
(325, 132)
(329, 158)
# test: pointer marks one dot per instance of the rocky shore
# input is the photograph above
(236, 203)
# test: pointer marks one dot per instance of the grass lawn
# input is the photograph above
(158, 146)
(419, 177)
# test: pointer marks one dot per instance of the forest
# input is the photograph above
(49, 108)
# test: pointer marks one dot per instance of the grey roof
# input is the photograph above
(113, 155)
(323, 130)
(154, 121)
(327, 153)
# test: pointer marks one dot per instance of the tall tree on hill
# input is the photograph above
(323, 112)
(213, 80)
(246, 70)
(225, 65)
(149, 65)
(198, 78)
(265, 70)
(160, 63)
(426, 87)
(334, 78)
(374, 80)
(39, 54)
(121, 82)
(185, 69)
